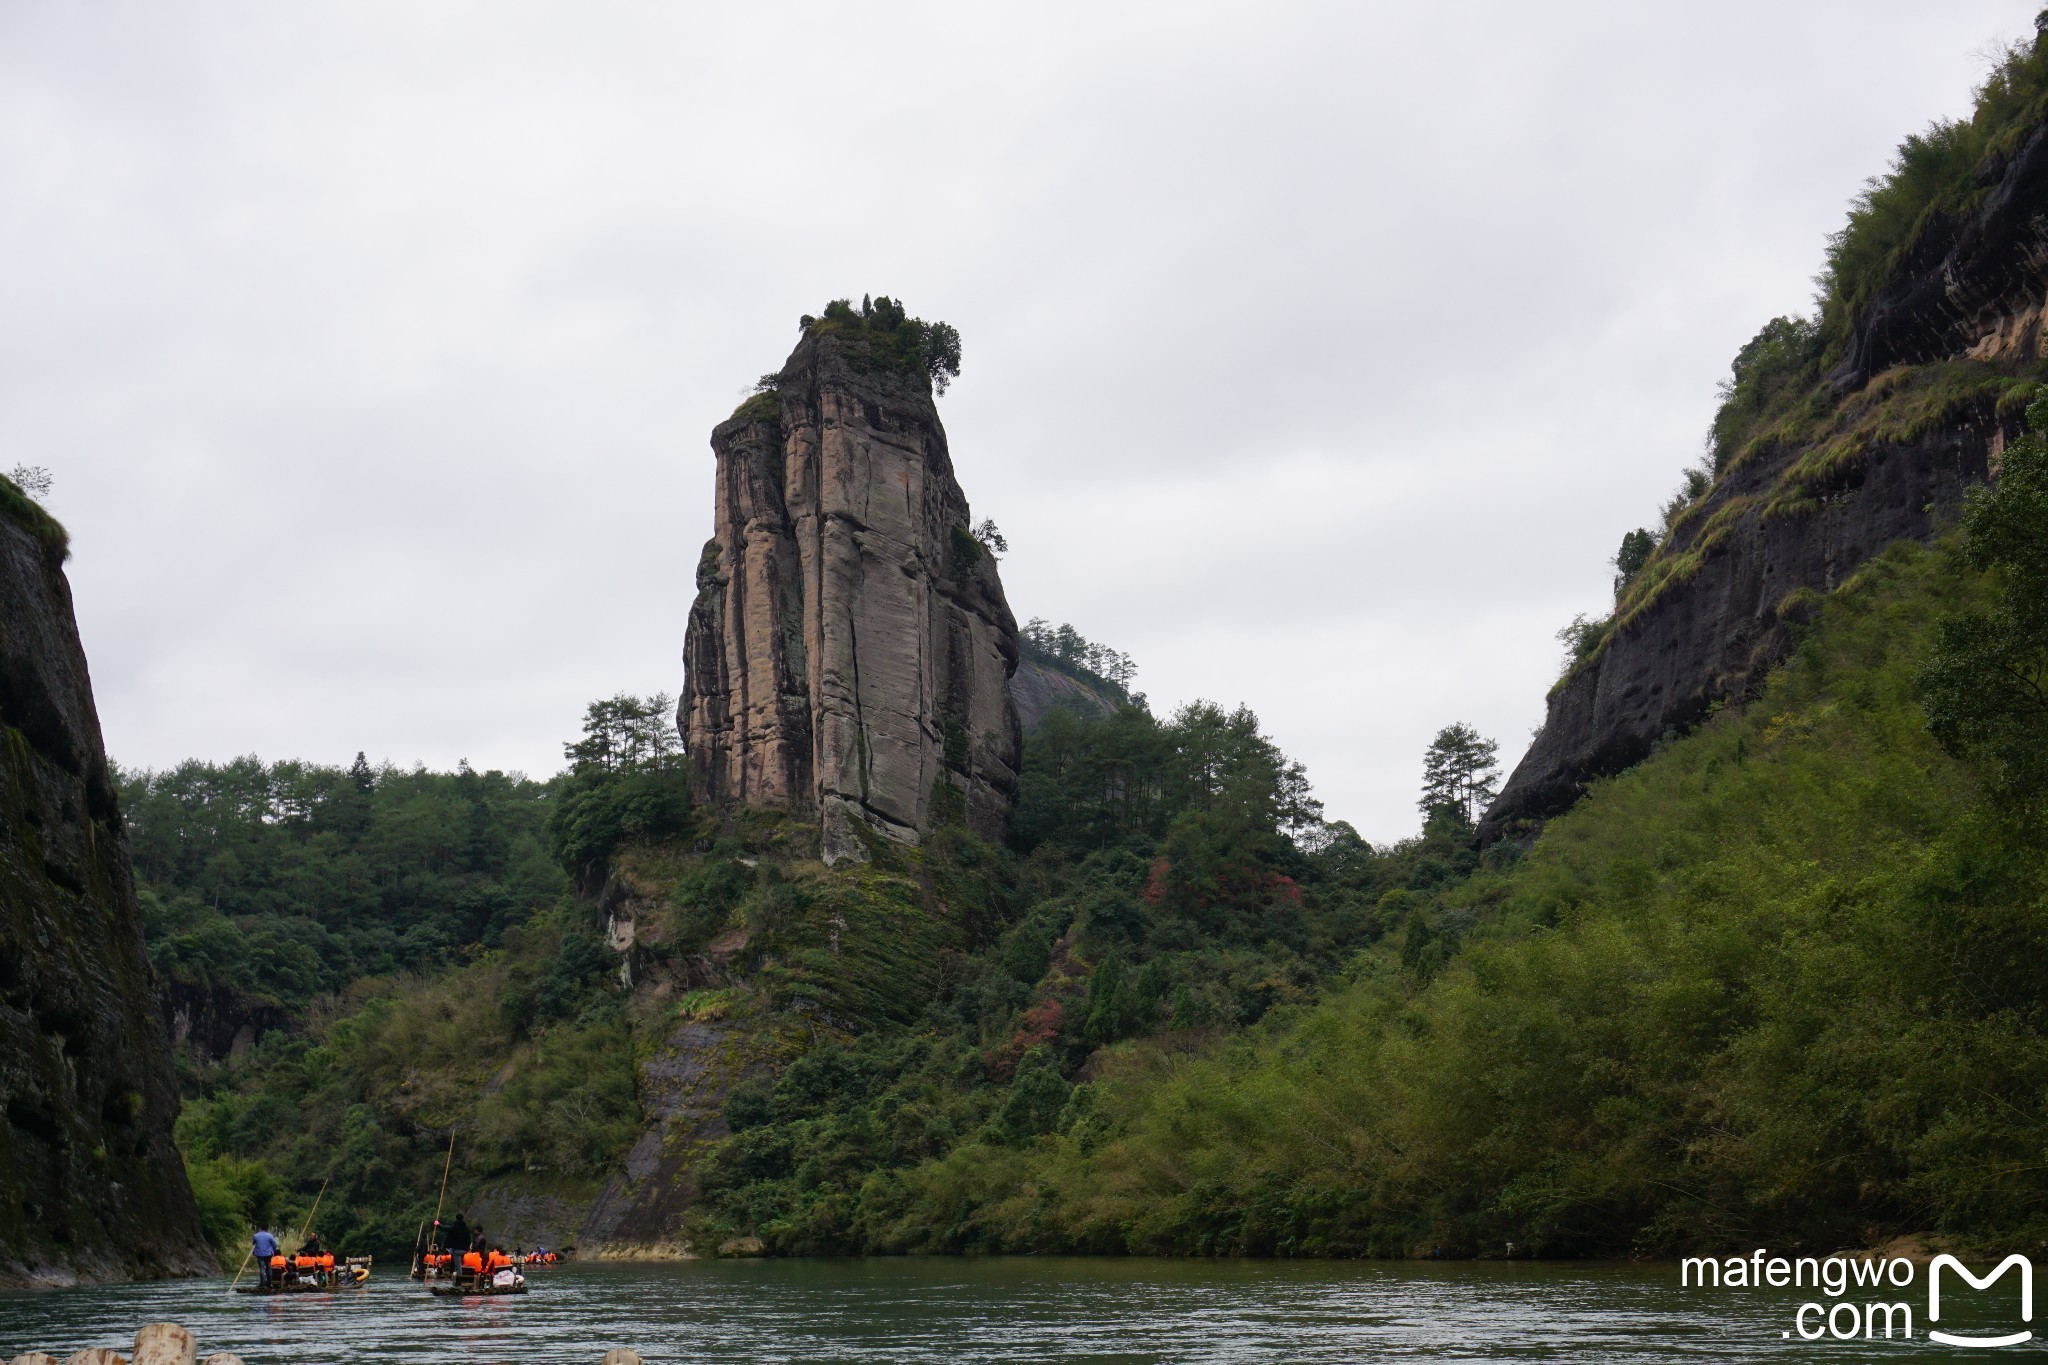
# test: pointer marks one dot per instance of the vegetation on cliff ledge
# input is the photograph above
(880, 335)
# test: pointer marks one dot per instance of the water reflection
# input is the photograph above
(958, 1311)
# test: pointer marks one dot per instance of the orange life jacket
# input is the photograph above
(303, 1262)
(277, 1261)
(472, 1261)
(498, 1261)
(327, 1260)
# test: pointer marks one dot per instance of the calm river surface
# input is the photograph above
(1010, 1309)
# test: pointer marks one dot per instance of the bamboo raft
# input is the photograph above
(352, 1274)
(525, 1264)
(475, 1291)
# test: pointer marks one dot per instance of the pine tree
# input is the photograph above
(1460, 773)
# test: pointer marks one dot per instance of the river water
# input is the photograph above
(1008, 1309)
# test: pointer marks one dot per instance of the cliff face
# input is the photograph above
(1037, 689)
(850, 647)
(90, 1184)
(1971, 286)
(1931, 383)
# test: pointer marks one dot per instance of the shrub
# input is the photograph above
(1766, 368)
(1581, 636)
(764, 407)
(24, 511)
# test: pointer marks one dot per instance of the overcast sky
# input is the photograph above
(1317, 355)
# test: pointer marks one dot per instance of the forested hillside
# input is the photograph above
(348, 957)
(266, 885)
(1780, 983)
(1154, 888)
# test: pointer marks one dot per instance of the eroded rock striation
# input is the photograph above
(850, 648)
(1930, 383)
(91, 1187)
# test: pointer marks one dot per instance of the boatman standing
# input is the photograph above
(264, 1248)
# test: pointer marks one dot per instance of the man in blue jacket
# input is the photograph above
(265, 1248)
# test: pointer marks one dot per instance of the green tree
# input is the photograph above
(625, 734)
(941, 354)
(1066, 649)
(626, 780)
(1113, 1008)
(1460, 773)
(1635, 551)
(1035, 1100)
(1985, 684)
(1582, 635)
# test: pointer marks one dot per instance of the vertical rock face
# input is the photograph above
(850, 648)
(90, 1184)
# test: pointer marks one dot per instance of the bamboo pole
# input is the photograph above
(243, 1266)
(307, 1226)
(448, 1161)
